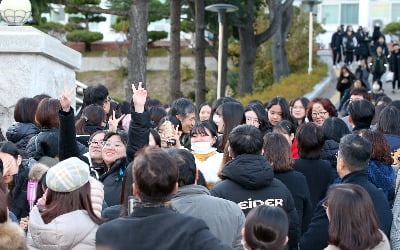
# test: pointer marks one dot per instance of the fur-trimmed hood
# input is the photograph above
(37, 171)
(12, 237)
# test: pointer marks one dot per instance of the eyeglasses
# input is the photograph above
(323, 113)
(96, 143)
(112, 145)
(325, 204)
(337, 154)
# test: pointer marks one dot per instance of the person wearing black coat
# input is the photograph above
(328, 153)
(20, 133)
(357, 150)
(277, 151)
(138, 136)
(318, 173)
(363, 40)
(336, 46)
(15, 173)
(46, 144)
(248, 179)
(152, 222)
(394, 65)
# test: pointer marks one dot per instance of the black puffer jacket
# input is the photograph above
(249, 181)
(20, 133)
(19, 203)
(46, 144)
(328, 153)
(112, 181)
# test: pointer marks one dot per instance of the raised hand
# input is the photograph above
(23, 223)
(176, 136)
(139, 97)
(65, 98)
(113, 122)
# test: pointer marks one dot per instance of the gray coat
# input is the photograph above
(224, 218)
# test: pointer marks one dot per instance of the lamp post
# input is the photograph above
(310, 7)
(221, 9)
(15, 12)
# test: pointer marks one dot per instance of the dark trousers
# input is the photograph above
(349, 57)
(396, 79)
(337, 56)
(376, 76)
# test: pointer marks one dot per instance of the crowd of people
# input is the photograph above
(143, 175)
(373, 56)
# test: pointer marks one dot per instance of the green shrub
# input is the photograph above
(392, 28)
(84, 36)
(290, 87)
(156, 35)
(51, 27)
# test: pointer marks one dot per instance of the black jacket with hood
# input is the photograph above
(248, 180)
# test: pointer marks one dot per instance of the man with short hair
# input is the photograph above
(224, 218)
(185, 111)
(353, 157)
(361, 113)
(248, 179)
(96, 95)
(153, 223)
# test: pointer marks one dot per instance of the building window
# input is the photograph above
(380, 10)
(330, 14)
(395, 12)
(349, 14)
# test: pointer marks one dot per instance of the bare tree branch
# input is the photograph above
(94, 10)
(274, 25)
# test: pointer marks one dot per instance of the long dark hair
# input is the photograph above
(58, 203)
(232, 115)
(262, 115)
(277, 152)
(353, 221)
(92, 115)
(277, 100)
(380, 147)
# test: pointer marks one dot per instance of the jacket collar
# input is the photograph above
(355, 177)
(193, 189)
(149, 211)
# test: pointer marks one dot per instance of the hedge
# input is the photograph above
(290, 87)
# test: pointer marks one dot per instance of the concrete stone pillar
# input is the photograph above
(364, 9)
(31, 63)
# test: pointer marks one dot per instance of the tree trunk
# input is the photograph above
(200, 66)
(247, 50)
(138, 45)
(247, 58)
(280, 63)
(175, 51)
(249, 42)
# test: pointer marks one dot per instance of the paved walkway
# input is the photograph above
(153, 63)
(331, 93)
